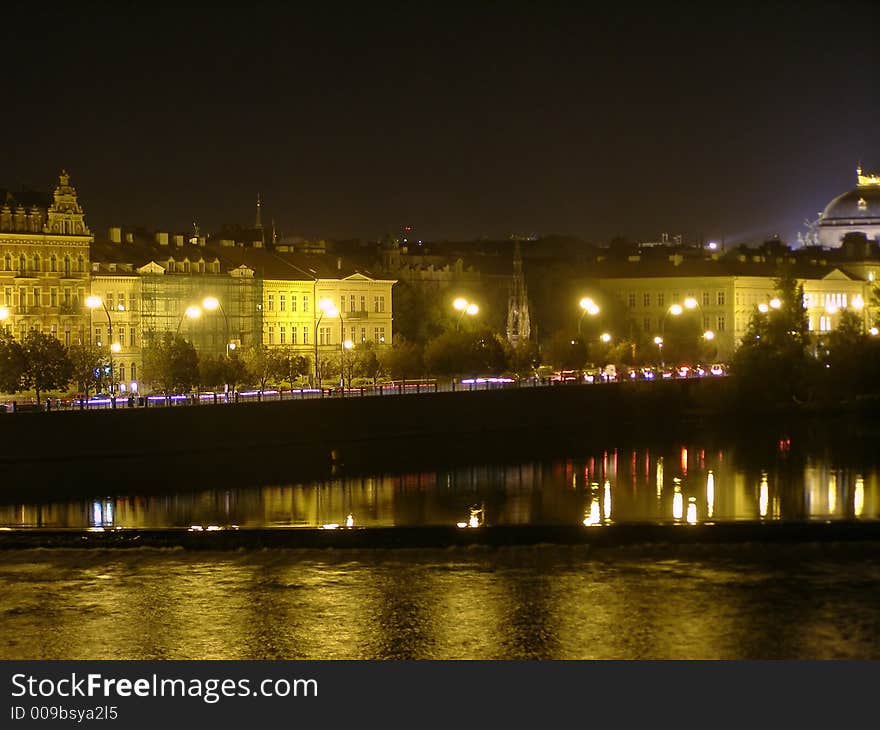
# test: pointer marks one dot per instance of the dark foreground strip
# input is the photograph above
(442, 537)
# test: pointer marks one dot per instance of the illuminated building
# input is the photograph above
(44, 262)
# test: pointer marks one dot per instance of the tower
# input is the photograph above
(258, 224)
(518, 325)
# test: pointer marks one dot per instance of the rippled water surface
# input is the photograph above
(808, 601)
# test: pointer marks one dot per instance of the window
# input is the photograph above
(22, 264)
(660, 299)
(22, 299)
(719, 299)
(305, 335)
(270, 306)
(131, 303)
(363, 303)
(120, 301)
(66, 299)
(631, 300)
(705, 299)
(67, 335)
(375, 304)
(80, 264)
(133, 341)
(37, 262)
(120, 336)
(379, 334)
(67, 265)
(646, 324)
(292, 335)
(824, 323)
(721, 323)
(7, 293)
(646, 299)
(353, 333)
(37, 297)
(382, 304)
(323, 335)
(271, 334)
(282, 335)
(121, 371)
(7, 262)
(342, 303)
(305, 302)
(98, 339)
(293, 303)
(134, 371)
(351, 303)
(282, 302)
(706, 323)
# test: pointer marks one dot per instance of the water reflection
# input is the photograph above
(686, 483)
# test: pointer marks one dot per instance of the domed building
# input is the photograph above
(857, 211)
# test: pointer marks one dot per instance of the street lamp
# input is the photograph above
(326, 306)
(212, 304)
(347, 345)
(191, 312)
(589, 307)
(465, 307)
(659, 342)
(93, 302)
(4, 314)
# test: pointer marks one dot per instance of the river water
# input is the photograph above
(661, 601)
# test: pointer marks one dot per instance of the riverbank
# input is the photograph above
(66, 453)
(441, 536)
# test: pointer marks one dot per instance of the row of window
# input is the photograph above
(119, 335)
(649, 299)
(715, 324)
(38, 297)
(35, 264)
(325, 335)
(347, 303)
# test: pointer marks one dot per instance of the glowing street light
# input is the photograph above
(94, 302)
(466, 308)
(212, 304)
(589, 307)
(605, 337)
(775, 303)
(4, 313)
(763, 308)
(675, 310)
(690, 303)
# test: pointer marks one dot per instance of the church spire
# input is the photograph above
(259, 221)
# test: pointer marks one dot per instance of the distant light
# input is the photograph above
(712, 245)
(4, 313)
(593, 310)
(831, 308)
(763, 308)
(210, 303)
(193, 312)
(709, 335)
(330, 526)
(690, 302)
(472, 309)
(775, 303)
(93, 302)
(658, 340)
(676, 309)
(460, 304)
(692, 511)
(605, 337)
(873, 331)
(348, 344)
(349, 521)
(231, 345)
(587, 303)
(115, 347)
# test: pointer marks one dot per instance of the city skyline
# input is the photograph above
(462, 122)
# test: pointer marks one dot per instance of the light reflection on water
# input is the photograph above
(684, 484)
(743, 602)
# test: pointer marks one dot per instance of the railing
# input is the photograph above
(466, 385)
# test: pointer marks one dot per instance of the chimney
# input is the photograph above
(129, 237)
(115, 234)
(178, 239)
(162, 238)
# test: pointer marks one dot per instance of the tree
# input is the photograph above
(565, 352)
(363, 362)
(12, 364)
(46, 364)
(403, 360)
(172, 363)
(292, 367)
(86, 361)
(263, 364)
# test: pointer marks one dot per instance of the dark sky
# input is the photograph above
(462, 119)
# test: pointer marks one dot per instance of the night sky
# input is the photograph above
(463, 120)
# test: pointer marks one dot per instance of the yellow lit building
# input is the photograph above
(44, 263)
(724, 294)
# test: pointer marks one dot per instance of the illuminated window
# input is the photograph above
(133, 342)
(121, 331)
(282, 335)
(631, 300)
(305, 302)
(293, 303)
(305, 335)
(705, 299)
(720, 299)
(721, 323)
(282, 302)
(363, 303)
(270, 306)
(351, 303)
(646, 299)
(271, 334)
(363, 334)
(292, 335)
(824, 323)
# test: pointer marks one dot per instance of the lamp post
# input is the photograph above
(659, 342)
(93, 302)
(191, 312)
(212, 304)
(347, 346)
(676, 310)
(325, 306)
(464, 307)
(589, 307)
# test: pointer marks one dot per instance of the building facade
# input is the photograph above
(44, 263)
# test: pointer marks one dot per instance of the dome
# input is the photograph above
(856, 205)
(857, 211)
